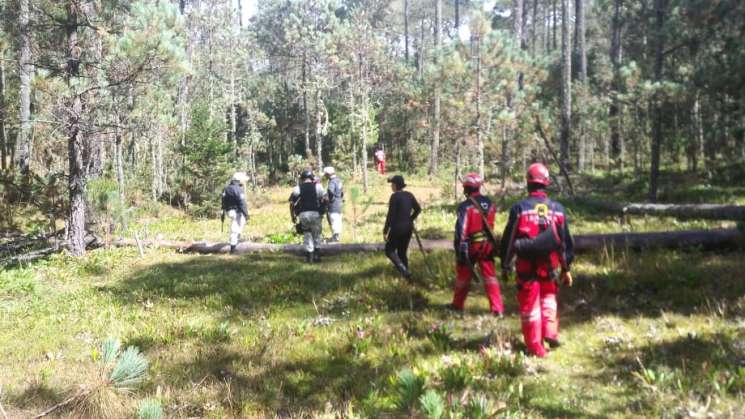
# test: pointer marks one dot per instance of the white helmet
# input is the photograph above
(240, 177)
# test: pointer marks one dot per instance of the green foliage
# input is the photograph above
(479, 407)
(432, 405)
(150, 409)
(207, 157)
(129, 370)
(110, 350)
(408, 387)
(441, 336)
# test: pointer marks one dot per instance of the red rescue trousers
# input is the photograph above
(380, 166)
(538, 313)
(463, 273)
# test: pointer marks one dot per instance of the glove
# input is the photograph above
(566, 278)
(462, 255)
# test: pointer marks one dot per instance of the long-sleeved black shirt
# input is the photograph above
(402, 211)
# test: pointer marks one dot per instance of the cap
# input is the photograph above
(397, 180)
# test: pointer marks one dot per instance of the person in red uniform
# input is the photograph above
(473, 248)
(537, 236)
(379, 155)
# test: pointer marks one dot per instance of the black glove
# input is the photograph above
(462, 253)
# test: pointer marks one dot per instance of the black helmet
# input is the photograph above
(306, 174)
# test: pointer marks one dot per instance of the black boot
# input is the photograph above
(308, 257)
(232, 249)
(316, 256)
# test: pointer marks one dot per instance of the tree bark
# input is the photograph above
(75, 138)
(566, 87)
(406, 30)
(318, 134)
(554, 19)
(3, 114)
(479, 135)
(22, 153)
(579, 41)
(681, 211)
(306, 115)
(517, 22)
(616, 155)
(457, 15)
(433, 165)
(659, 7)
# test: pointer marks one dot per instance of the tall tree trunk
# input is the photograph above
(580, 51)
(554, 19)
(318, 134)
(436, 108)
(118, 163)
(306, 115)
(699, 151)
(479, 136)
(517, 22)
(406, 30)
(659, 9)
(457, 15)
(233, 113)
(364, 142)
(23, 142)
(3, 114)
(566, 87)
(615, 106)
(75, 138)
(534, 28)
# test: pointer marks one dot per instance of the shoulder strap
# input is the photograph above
(485, 222)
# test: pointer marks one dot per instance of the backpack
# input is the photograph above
(548, 239)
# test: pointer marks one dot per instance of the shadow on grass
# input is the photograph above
(648, 284)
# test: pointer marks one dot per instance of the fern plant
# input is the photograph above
(408, 387)
(432, 405)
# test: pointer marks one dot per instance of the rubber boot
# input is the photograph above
(232, 249)
(316, 256)
(552, 343)
(335, 238)
(308, 257)
(400, 267)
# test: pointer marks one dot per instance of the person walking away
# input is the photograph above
(379, 155)
(403, 209)
(335, 193)
(537, 236)
(306, 202)
(474, 247)
(234, 205)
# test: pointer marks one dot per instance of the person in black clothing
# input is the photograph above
(399, 224)
(234, 205)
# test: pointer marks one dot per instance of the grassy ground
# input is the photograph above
(645, 335)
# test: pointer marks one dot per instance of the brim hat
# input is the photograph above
(397, 180)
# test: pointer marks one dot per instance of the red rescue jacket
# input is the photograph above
(524, 222)
(469, 226)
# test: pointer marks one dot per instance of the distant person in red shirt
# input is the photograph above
(379, 156)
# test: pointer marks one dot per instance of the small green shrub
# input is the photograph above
(432, 405)
(150, 409)
(407, 388)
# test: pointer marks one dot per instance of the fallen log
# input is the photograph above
(707, 239)
(689, 211)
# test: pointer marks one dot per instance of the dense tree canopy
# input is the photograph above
(168, 97)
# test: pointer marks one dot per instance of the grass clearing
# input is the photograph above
(650, 334)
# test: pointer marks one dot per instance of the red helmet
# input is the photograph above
(472, 180)
(538, 173)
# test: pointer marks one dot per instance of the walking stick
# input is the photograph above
(424, 254)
